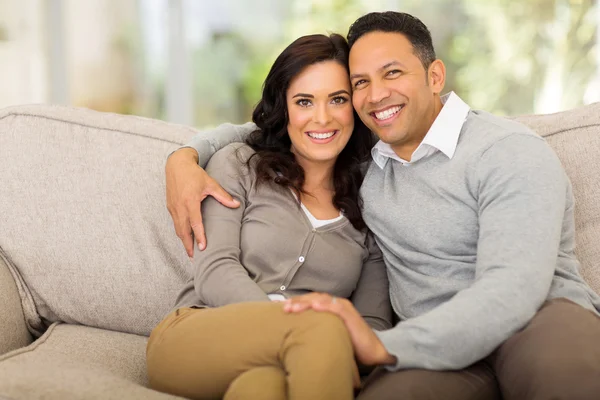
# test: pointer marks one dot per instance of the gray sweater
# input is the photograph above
(478, 242)
(473, 244)
(268, 245)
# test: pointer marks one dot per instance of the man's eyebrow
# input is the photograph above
(303, 95)
(339, 92)
(390, 64)
(384, 67)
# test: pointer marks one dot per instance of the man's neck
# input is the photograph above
(406, 150)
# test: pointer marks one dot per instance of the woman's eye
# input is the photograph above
(303, 102)
(339, 100)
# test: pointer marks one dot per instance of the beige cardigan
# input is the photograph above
(268, 245)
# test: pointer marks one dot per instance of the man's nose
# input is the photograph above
(377, 91)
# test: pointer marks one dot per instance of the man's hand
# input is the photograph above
(187, 186)
(368, 348)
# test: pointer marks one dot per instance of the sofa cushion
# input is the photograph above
(77, 362)
(85, 227)
(13, 330)
(575, 136)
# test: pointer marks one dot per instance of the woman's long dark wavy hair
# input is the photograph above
(272, 143)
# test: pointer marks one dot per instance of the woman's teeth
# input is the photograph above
(388, 113)
(325, 135)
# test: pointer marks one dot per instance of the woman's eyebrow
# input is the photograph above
(330, 94)
(303, 95)
(339, 92)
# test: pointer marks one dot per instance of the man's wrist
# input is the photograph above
(184, 154)
(384, 357)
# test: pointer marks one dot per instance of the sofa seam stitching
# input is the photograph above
(31, 347)
(96, 127)
(571, 129)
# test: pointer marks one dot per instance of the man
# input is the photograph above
(474, 215)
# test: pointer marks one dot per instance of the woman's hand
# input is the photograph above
(368, 348)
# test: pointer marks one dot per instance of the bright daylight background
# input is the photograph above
(202, 62)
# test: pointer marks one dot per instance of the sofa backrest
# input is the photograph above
(84, 224)
(575, 136)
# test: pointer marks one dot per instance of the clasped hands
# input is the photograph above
(368, 348)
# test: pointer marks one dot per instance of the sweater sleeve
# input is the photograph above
(371, 298)
(209, 141)
(220, 278)
(522, 191)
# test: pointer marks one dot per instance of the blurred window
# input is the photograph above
(202, 62)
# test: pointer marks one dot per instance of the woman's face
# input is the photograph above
(320, 113)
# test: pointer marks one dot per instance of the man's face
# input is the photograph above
(392, 92)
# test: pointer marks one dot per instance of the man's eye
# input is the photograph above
(393, 72)
(359, 82)
(339, 100)
(303, 102)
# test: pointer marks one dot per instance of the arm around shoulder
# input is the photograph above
(208, 142)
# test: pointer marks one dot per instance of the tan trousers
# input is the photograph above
(555, 357)
(251, 351)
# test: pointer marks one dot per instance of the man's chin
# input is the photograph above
(386, 135)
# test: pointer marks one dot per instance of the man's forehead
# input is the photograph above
(374, 43)
(381, 56)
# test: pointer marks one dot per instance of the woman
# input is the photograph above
(299, 229)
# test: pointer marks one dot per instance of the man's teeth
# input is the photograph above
(388, 113)
(325, 135)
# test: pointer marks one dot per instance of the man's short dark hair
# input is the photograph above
(391, 21)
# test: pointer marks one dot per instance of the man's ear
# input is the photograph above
(437, 76)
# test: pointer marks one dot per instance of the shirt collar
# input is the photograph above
(443, 134)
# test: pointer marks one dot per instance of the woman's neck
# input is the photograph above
(318, 176)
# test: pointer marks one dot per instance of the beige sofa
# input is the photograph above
(89, 260)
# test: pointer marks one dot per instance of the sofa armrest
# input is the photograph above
(13, 330)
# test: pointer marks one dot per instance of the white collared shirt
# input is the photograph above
(442, 136)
